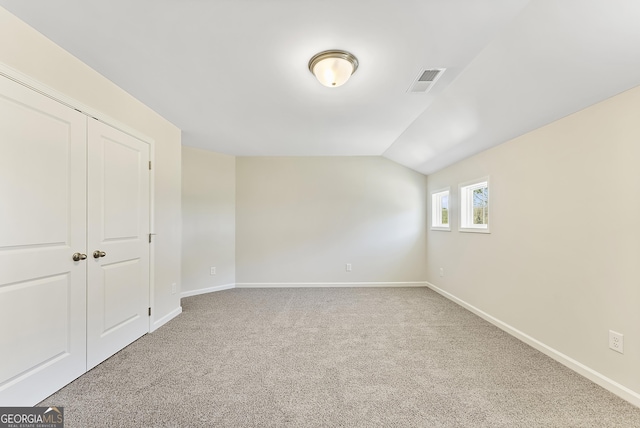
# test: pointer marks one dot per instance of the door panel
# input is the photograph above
(118, 204)
(122, 192)
(122, 277)
(42, 223)
(50, 328)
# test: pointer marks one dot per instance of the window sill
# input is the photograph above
(474, 230)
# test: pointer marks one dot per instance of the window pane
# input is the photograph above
(440, 210)
(480, 206)
(474, 207)
(445, 209)
(486, 205)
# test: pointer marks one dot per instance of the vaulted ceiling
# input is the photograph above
(232, 74)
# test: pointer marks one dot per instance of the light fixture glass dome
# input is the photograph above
(333, 68)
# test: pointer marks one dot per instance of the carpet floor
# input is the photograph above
(334, 357)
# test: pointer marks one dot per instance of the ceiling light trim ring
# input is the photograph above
(334, 53)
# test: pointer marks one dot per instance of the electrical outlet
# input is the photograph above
(348, 267)
(616, 341)
(213, 270)
(441, 271)
(174, 288)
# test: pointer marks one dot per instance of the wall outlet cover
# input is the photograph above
(616, 341)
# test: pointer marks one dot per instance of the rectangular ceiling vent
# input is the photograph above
(426, 79)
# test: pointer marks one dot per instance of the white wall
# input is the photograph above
(208, 220)
(25, 50)
(301, 219)
(562, 262)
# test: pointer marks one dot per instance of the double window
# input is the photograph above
(474, 207)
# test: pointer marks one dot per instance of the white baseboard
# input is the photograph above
(594, 376)
(165, 319)
(327, 284)
(207, 290)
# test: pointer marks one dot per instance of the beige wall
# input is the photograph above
(301, 219)
(28, 52)
(562, 262)
(208, 220)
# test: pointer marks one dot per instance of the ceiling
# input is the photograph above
(232, 74)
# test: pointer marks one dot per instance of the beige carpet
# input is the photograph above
(331, 357)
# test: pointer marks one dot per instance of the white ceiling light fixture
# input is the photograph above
(333, 68)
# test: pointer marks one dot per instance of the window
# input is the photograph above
(474, 206)
(440, 210)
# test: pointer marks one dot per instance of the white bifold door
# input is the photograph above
(43, 193)
(74, 252)
(118, 241)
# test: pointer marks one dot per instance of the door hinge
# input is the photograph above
(149, 311)
(150, 235)
(149, 165)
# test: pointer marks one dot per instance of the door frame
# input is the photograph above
(41, 88)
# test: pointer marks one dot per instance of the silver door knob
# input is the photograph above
(78, 256)
(97, 254)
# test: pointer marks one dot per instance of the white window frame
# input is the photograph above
(465, 190)
(436, 209)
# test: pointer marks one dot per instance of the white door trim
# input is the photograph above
(48, 91)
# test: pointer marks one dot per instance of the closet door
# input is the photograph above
(118, 241)
(42, 224)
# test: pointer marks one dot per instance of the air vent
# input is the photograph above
(426, 79)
